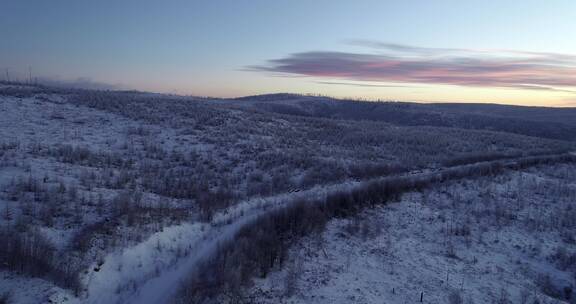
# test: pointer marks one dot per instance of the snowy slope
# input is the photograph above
(507, 240)
(124, 193)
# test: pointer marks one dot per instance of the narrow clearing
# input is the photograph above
(163, 287)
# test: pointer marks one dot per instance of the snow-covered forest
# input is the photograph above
(131, 197)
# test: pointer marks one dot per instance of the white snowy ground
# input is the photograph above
(130, 274)
(165, 256)
(144, 274)
(32, 121)
(151, 271)
(394, 253)
(27, 290)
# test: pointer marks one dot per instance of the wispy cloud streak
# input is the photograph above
(78, 83)
(408, 64)
(364, 84)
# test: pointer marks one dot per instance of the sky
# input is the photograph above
(512, 52)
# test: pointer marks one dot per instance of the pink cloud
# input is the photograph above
(406, 64)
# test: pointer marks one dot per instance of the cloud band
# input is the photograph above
(406, 64)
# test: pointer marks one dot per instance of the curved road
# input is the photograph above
(163, 288)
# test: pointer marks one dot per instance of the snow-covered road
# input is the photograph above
(225, 225)
(162, 287)
(103, 287)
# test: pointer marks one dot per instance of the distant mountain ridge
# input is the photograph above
(554, 123)
(543, 122)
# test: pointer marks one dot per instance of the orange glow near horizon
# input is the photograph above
(368, 91)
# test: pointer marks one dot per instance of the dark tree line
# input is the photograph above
(482, 157)
(31, 254)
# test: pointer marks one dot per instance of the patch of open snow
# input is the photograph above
(224, 227)
(408, 250)
(122, 272)
(35, 290)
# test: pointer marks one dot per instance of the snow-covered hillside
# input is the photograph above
(504, 239)
(107, 196)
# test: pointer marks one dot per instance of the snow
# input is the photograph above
(164, 285)
(125, 269)
(406, 249)
(34, 290)
(273, 201)
(32, 121)
(149, 269)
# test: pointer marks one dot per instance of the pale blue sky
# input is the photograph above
(204, 47)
